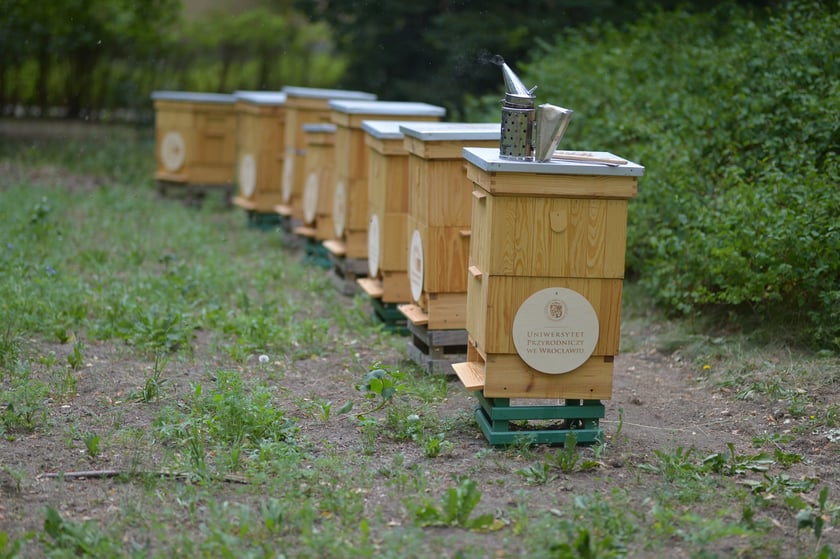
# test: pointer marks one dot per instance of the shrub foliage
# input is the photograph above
(91, 58)
(736, 117)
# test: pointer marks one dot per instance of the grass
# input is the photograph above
(224, 329)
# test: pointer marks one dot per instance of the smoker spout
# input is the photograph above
(513, 85)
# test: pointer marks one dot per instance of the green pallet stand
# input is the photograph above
(390, 316)
(263, 221)
(579, 417)
(316, 254)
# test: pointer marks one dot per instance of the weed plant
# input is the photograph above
(238, 425)
(455, 509)
(23, 406)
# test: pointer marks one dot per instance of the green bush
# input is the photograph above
(735, 117)
(96, 58)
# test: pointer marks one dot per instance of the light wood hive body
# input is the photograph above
(352, 161)
(208, 132)
(261, 136)
(439, 209)
(320, 161)
(304, 105)
(388, 202)
(530, 232)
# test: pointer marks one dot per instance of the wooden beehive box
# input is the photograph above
(350, 210)
(261, 119)
(439, 206)
(304, 105)
(195, 138)
(546, 268)
(318, 186)
(387, 211)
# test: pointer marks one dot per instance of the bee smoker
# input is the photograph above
(529, 133)
(518, 116)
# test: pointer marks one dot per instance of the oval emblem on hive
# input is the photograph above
(247, 175)
(173, 151)
(288, 176)
(373, 246)
(415, 265)
(339, 208)
(555, 330)
(310, 198)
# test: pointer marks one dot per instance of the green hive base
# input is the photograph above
(263, 221)
(579, 417)
(316, 254)
(389, 316)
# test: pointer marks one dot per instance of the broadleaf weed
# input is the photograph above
(455, 509)
(75, 359)
(92, 441)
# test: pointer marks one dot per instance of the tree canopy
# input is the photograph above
(438, 52)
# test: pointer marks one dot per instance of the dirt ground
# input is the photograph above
(659, 403)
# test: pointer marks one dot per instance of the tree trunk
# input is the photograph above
(227, 55)
(79, 82)
(42, 90)
(4, 97)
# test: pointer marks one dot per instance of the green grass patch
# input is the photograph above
(246, 409)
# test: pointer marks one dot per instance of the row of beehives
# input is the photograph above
(429, 220)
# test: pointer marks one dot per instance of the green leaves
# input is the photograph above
(735, 464)
(565, 460)
(816, 517)
(9, 551)
(63, 538)
(737, 129)
(455, 509)
(233, 421)
(23, 406)
(381, 385)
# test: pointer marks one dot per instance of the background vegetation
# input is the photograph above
(732, 107)
(738, 126)
(92, 58)
(95, 59)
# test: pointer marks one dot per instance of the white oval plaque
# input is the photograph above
(415, 265)
(310, 198)
(247, 175)
(173, 151)
(555, 330)
(288, 176)
(339, 208)
(373, 246)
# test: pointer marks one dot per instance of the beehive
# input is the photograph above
(318, 187)
(304, 105)
(350, 209)
(439, 205)
(195, 138)
(387, 211)
(545, 276)
(261, 119)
